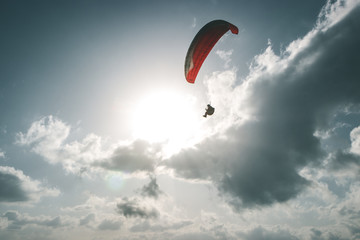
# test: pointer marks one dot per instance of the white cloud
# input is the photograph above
(79, 156)
(355, 140)
(16, 221)
(194, 236)
(47, 138)
(226, 56)
(87, 219)
(334, 11)
(91, 205)
(109, 224)
(146, 226)
(127, 216)
(193, 25)
(260, 233)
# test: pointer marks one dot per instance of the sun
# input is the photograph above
(166, 116)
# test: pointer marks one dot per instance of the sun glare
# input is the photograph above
(165, 117)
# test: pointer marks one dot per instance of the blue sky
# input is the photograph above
(101, 137)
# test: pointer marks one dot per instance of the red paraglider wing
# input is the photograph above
(202, 44)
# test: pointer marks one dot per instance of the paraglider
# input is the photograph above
(200, 48)
(209, 110)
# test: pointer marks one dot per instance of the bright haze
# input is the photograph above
(102, 137)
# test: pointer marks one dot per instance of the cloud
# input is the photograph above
(92, 204)
(267, 132)
(111, 225)
(145, 226)
(132, 208)
(2, 154)
(194, 236)
(193, 25)
(355, 231)
(263, 234)
(17, 221)
(137, 156)
(340, 160)
(355, 140)
(319, 235)
(47, 138)
(17, 187)
(151, 190)
(226, 56)
(11, 190)
(86, 220)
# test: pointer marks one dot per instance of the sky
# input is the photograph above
(102, 138)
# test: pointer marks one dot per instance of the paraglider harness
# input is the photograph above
(209, 110)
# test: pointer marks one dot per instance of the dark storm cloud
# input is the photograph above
(151, 189)
(136, 157)
(17, 187)
(11, 188)
(132, 208)
(290, 97)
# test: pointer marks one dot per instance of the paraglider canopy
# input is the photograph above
(202, 44)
